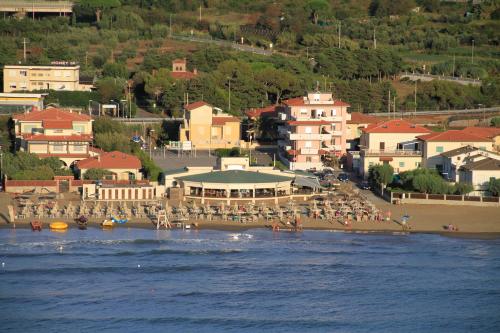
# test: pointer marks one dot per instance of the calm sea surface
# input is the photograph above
(133, 280)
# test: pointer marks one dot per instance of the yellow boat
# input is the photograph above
(58, 226)
(108, 224)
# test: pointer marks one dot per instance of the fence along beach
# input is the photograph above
(344, 211)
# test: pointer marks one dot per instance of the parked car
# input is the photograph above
(343, 177)
(365, 185)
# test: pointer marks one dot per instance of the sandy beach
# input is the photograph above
(423, 218)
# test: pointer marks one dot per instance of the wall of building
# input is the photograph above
(30, 78)
(120, 174)
(399, 163)
(432, 150)
(391, 140)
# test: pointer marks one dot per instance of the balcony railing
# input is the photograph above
(309, 151)
(309, 136)
(398, 152)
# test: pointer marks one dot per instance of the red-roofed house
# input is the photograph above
(487, 132)
(391, 142)
(54, 133)
(434, 144)
(179, 70)
(315, 125)
(123, 166)
(357, 122)
(206, 127)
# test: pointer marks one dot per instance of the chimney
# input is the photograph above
(195, 71)
(99, 157)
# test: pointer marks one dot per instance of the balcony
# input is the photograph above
(397, 152)
(310, 136)
(329, 146)
(309, 151)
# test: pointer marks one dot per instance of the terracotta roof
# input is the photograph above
(485, 132)
(395, 126)
(183, 75)
(178, 61)
(308, 122)
(222, 120)
(43, 137)
(9, 183)
(111, 160)
(299, 101)
(195, 105)
(361, 118)
(52, 114)
(452, 136)
(459, 151)
(96, 150)
(485, 164)
(57, 124)
(292, 152)
(254, 113)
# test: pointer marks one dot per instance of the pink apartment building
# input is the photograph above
(314, 125)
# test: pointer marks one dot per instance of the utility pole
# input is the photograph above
(340, 27)
(472, 56)
(453, 72)
(374, 39)
(394, 107)
(229, 100)
(170, 27)
(200, 12)
(389, 104)
(415, 101)
(24, 49)
(33, 10)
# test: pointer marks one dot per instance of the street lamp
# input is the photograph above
(1, 168)
(90, 105)
(117, 105)
(123, 103)
(229, 89)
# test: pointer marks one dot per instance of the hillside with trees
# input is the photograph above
(353, 48)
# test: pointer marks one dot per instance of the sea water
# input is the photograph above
(137, 280)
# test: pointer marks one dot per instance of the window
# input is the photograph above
(58, 147)
(439, 149)
(334, 112)
(13, 85)
(417, 164)
(78, 147)
(58, 131)
(40, 74)
(401, 164)
(308, 159)
(303, 111)
(23, 73)
(79, 128)
(308, 130)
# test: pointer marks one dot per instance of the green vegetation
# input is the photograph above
(27, 166)
(115, 41)
(381, 174)
(230, 152)
(110, 135)
(429, 181)
(494, 187)
(495, 121)
(96, 174)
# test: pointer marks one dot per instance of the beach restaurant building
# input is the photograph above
(235, 181)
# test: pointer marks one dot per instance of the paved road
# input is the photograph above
(236, 46)
(173, 160)
(430, 77)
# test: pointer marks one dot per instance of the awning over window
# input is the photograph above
(385, 158)
(311, 182)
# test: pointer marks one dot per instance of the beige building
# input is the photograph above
(122, 191)
(454, 159)
(206, 127)
(391, 142)
(234, 181)
(355, 125)
(123, 166)
(434, 144)
(54, 77)
(479, 172)
(54, 133)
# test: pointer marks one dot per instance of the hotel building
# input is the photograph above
(313, 126)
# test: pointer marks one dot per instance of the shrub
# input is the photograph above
(96, 174)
